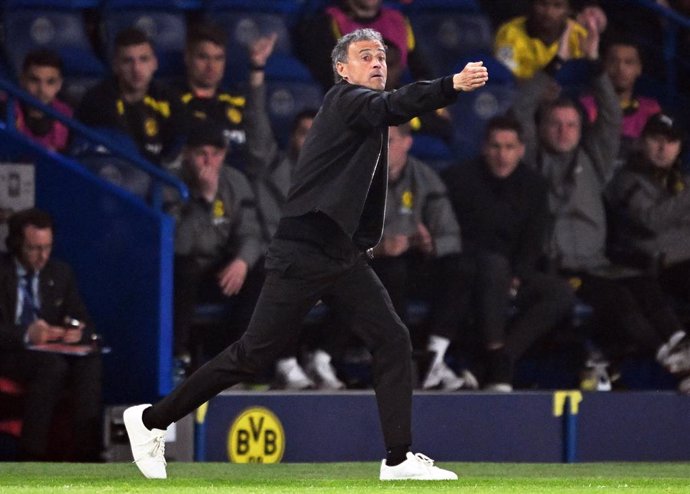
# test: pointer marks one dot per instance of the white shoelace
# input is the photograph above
(424, 459)
(158, 449)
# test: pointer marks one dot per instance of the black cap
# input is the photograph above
(206, 134)
(663, 124)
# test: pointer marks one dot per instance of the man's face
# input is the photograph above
(399, 145)
(366, 65)
(623, 65)
(299, 135)
(43, 82)
(502, 152)
(205, 65)
(550, 15)
(660, 150)
(561, 129)
(37, 244)
(205, 159)
(134, 67)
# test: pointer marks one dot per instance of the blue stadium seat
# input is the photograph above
(102, 162)
(471, 113)
(444, 37)
(285, 99)
(55, 26)
(165, 25)
(243, 26)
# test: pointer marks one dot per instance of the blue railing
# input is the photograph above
(160, 178)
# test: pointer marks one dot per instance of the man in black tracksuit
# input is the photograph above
(333, 215)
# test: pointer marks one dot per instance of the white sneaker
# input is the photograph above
(292, 376)
(416, 467)
(684, 385)
(440, 376)
(674, 355)
(322, 372)
(148, 445)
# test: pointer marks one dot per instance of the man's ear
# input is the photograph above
(342, 69)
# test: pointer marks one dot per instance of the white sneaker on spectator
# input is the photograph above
(684, 385)
(440, 376)
(415, 467)
(322, 372)
(148, 445)
(499, 387)
(675, 353)
(291, 376)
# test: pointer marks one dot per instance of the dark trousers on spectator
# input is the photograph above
(436, 280)
(298, 275)
(517, 320)
(197, 282)
(629, 311)
(46, 377)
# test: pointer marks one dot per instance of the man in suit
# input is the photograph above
(40, 305)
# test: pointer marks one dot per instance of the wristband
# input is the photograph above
(256, 68)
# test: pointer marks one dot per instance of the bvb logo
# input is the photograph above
(256, 436)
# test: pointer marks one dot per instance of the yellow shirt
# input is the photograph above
(525, 55)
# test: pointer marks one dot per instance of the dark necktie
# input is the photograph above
(29, 309)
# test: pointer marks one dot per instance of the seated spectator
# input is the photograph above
(41, 304)
(41, 77)
(317, 36)
(133, 103)
(577, 162)
(545, 35)
(269, 170)
(418, 255)
(218, 239)
(623, 64)
(503, 211)
(202, 94)
(650, 203)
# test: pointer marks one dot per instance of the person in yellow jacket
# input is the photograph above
(529, 43)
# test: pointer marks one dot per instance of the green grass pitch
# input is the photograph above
(475, 478)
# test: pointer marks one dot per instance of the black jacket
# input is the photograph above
(337, 172)
(58, 295)
(507, 216)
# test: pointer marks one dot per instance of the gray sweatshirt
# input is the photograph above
(577, 179)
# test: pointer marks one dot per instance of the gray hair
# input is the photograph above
(339, 53)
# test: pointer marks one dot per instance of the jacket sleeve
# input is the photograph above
(365, 108)
(602, 139)
(525, 109)
(437, 213)
(262, 148)
(11, 335)
(73, 305)
(640, 199)
(248, 241)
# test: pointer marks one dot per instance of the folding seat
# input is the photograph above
(164, 21)
(285, 99)
(472, 112)
(244, 21)
(445, 36)
(52, 24)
